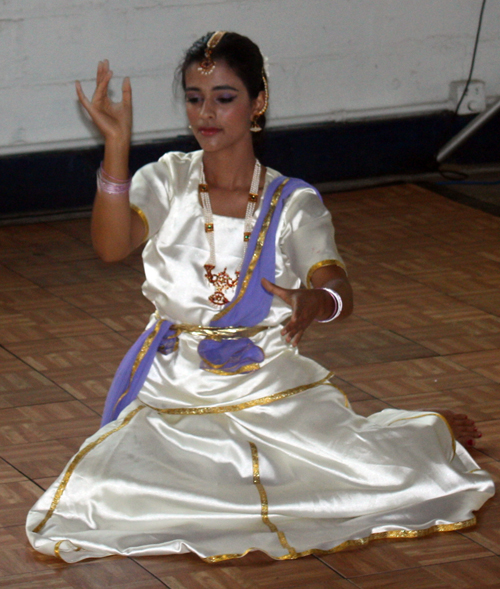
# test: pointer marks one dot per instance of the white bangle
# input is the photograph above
(337, 309)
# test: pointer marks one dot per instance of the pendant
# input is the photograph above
(221, 282)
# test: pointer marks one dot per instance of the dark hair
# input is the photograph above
(240, 53)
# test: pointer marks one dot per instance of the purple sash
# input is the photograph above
(135, 366)
(250, 305)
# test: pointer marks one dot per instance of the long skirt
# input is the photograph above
(289, 471)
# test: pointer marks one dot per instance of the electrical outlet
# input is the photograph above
(474, 99)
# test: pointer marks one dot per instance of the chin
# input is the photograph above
(212, 147)
(208, 143)
(220, 143)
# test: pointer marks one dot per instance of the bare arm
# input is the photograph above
(308, 305)
(116, 230)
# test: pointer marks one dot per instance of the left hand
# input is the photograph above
(113, 119)
(306, 306)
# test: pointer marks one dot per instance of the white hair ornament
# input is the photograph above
(266, 65)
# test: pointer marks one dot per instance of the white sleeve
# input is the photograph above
(308, 237)
(150, 196)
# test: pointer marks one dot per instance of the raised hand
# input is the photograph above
(113, 119)
(116, 230)
(306, 306)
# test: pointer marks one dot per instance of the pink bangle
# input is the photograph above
(110, 185)
(337, 305)
(107, 176)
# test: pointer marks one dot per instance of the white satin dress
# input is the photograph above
(274, 460)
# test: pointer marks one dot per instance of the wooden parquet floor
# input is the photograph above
(425, 333)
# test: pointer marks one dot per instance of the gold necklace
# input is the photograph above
(222, 281)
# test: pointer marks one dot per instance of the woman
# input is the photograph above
(218, 437)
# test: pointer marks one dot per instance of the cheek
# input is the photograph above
(190, 112)
(239, 115)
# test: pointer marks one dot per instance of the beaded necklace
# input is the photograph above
(222, 281)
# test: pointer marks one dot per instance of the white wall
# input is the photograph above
(330, 59)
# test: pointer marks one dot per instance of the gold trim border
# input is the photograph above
(264, 503)
(242, 370)
(140, 356)
(346, 398)
(143, 218)
(219, 333)
(56, 549)
(391, 535)
(257, 252)
(322, 264)
(75, 462)
(241, 406)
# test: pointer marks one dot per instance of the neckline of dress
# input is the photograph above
(267, 181)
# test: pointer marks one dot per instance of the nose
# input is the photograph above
(207, 109)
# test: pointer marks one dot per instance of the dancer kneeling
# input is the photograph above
(218, 437)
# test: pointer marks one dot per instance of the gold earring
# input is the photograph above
(255, 127)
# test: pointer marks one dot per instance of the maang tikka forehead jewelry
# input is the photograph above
(207, 66)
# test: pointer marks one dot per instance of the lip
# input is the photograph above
(208, 131)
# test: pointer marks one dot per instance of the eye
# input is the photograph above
(225, 99)
(193, 99)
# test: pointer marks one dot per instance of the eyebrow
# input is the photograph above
(224, 87)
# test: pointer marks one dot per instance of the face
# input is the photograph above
(219, 108)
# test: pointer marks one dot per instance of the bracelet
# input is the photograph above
(111, 185)
(337, 305)
(110, 177)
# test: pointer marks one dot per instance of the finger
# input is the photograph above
(104, 67)
(79, 91)
(289, 332)
(293, 322)
(293, 325)
(269, 286)
(101, 91)
(126, 91)
(81, 96)
(286, 328)
(296, 339)
(274, 289)
(299, 322)
(100, 72)
(292, 335)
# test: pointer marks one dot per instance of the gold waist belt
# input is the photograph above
(218, 333)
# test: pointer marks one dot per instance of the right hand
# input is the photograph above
(113, 119)
(305, 304)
